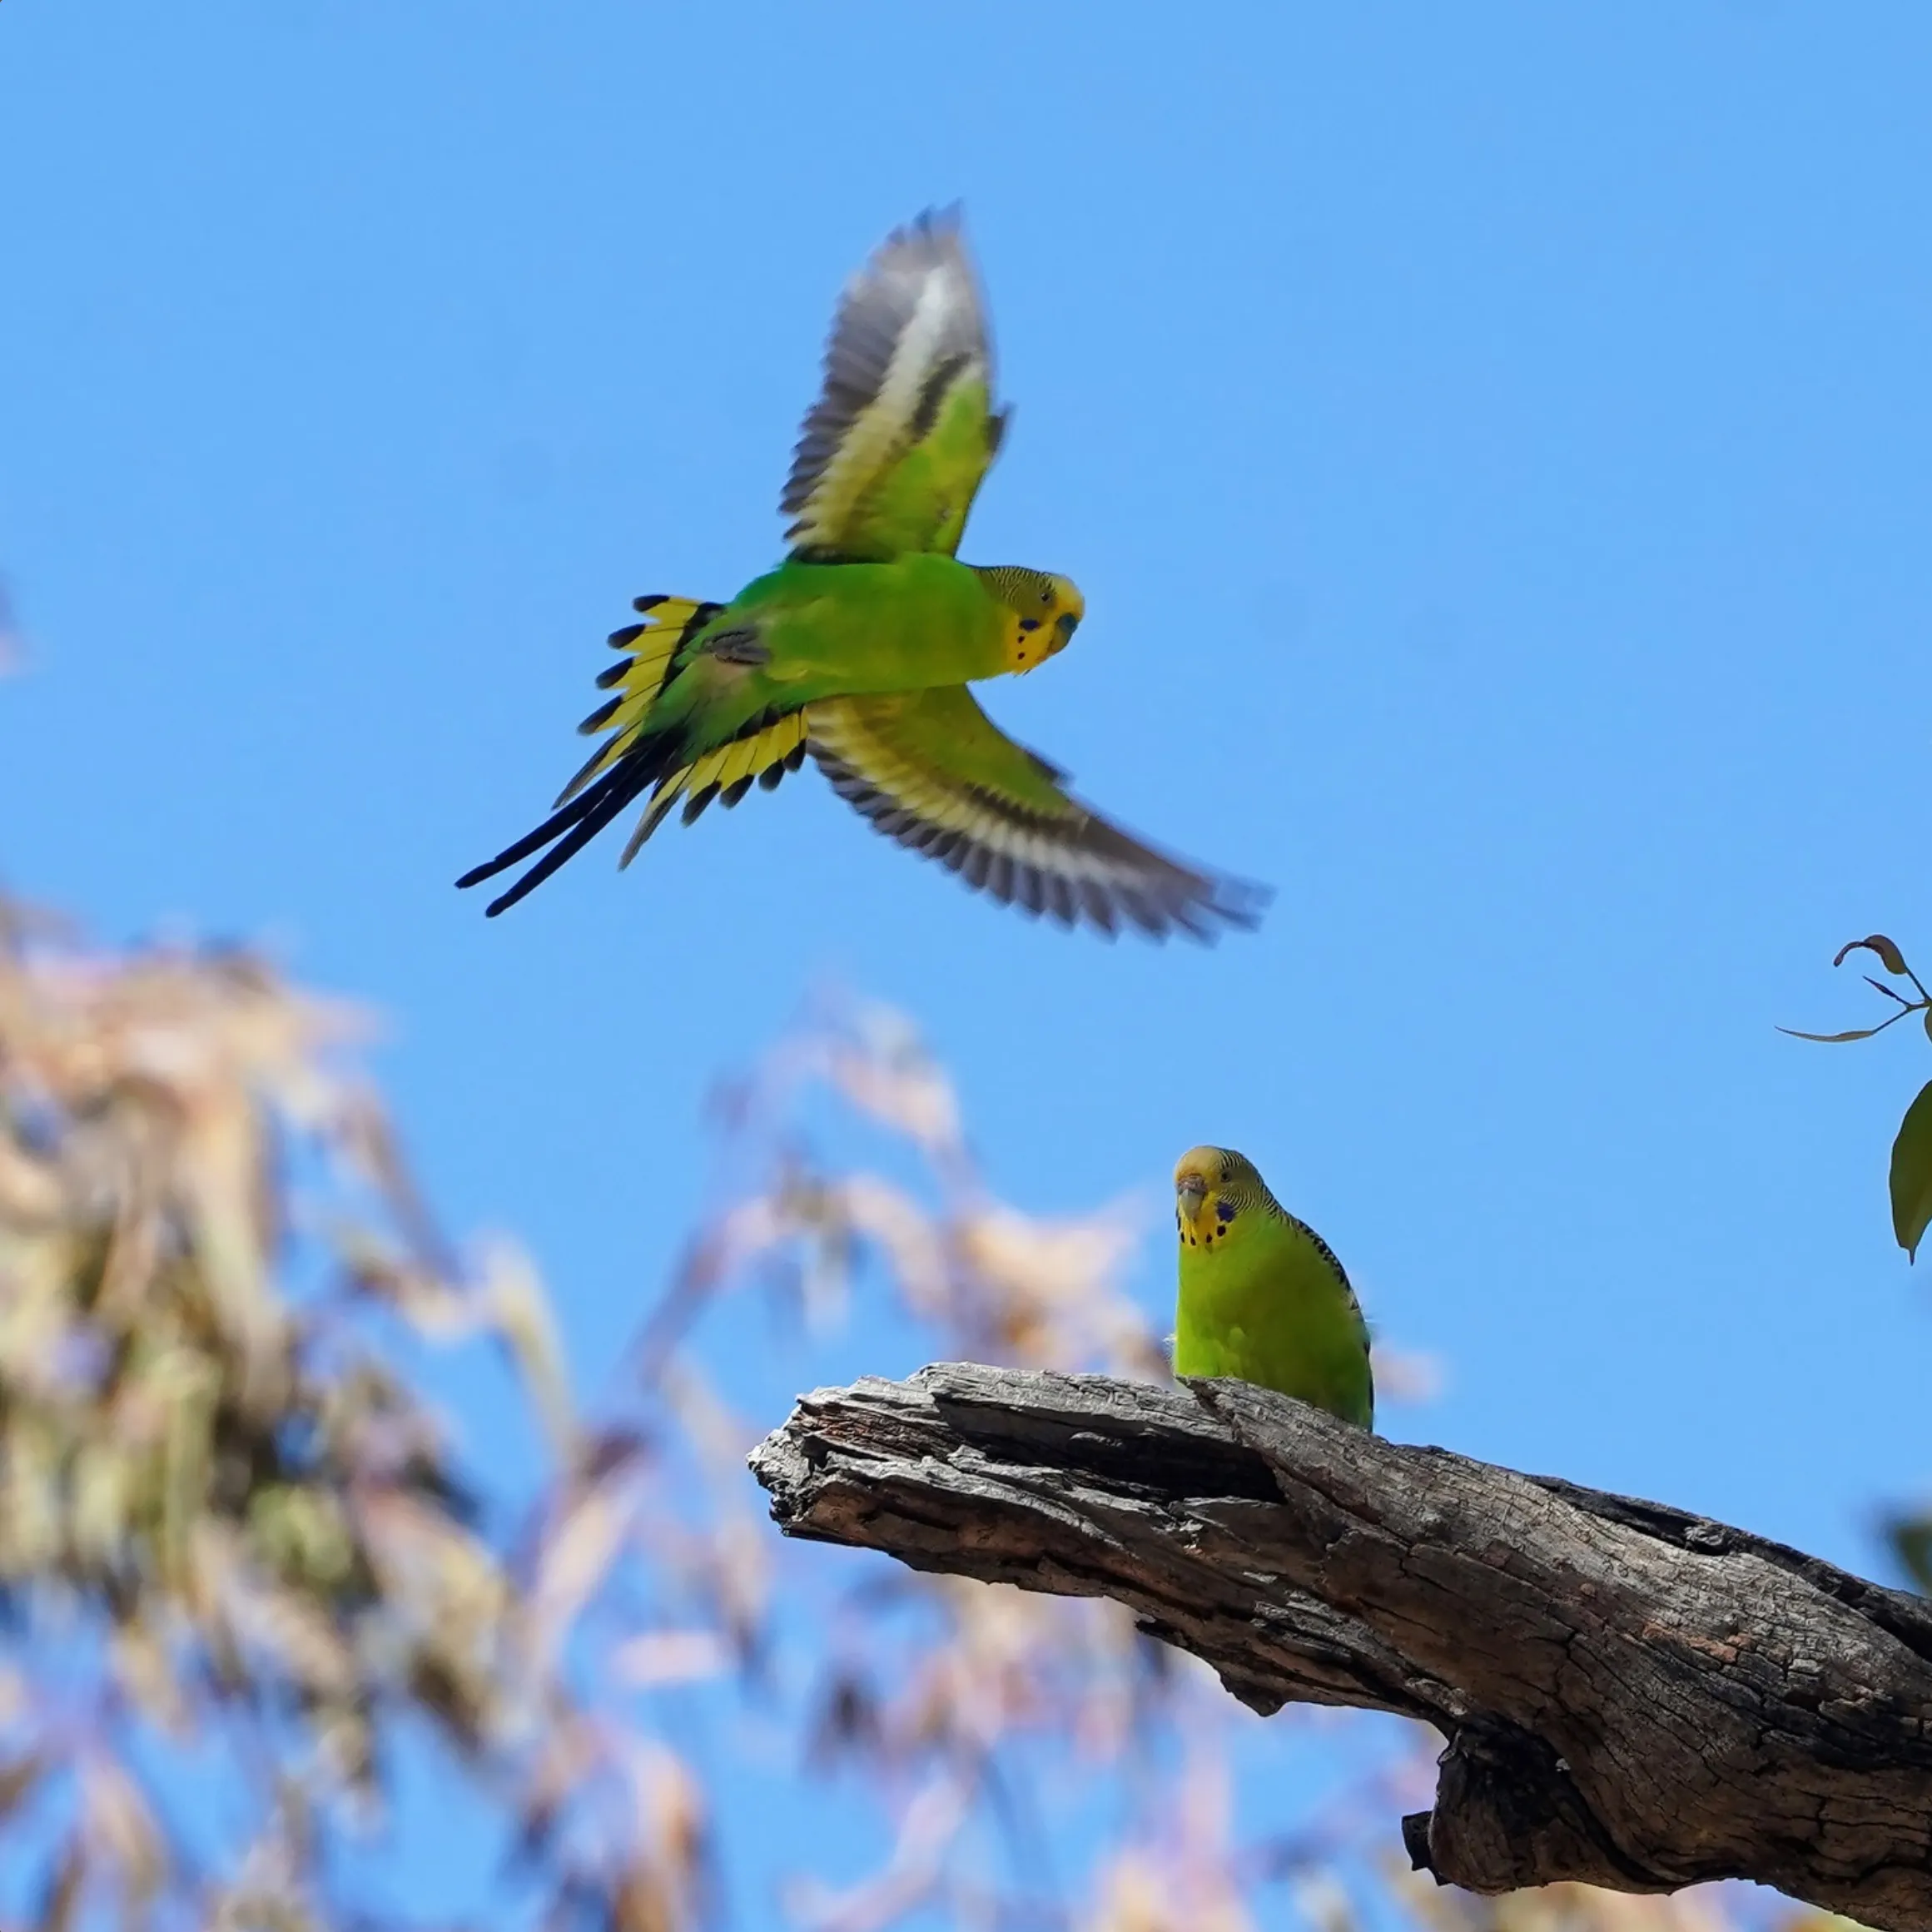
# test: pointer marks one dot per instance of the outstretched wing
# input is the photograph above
(894, 449)
(930, 769)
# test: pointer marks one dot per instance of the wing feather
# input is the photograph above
(667, 624)
(763, 751)
(895, 448)
(930, 770)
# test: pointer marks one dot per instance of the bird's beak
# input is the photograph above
(1190, 1195)
(1064, 626)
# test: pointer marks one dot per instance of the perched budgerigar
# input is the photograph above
(860, 646)
(1262, 1295)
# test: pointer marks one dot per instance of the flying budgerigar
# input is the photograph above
(1262, 1295)
(860, 646)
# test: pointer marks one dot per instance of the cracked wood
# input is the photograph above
(1633, 1695)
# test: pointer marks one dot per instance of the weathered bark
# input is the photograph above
(1632, 1697)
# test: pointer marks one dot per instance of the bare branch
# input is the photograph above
(1632, 1697)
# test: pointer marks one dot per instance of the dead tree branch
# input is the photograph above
(1632, 1697)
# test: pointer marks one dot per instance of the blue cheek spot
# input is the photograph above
(1224, 1212)
(1030, 623)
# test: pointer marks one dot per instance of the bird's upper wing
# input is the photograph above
(894, 449)
(931, 769)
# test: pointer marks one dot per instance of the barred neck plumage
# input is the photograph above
(1243, 1186)
(1250, 1191)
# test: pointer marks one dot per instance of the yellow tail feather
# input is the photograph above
(667, 624)
(763, 752)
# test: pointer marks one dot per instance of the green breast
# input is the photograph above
(1271, 1308)
(849, 630)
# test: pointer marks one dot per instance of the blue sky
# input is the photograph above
(1491, 441)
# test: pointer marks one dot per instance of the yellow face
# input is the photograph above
(1209, 1187)
(1045, 614)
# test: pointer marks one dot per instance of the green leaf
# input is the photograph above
(1887, 951)
(1911, 1540)
(1833, 1039)
(1912, 1173)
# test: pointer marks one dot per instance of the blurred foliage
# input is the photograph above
(1568, 1908)
(246, 1574)
(230, 1523)
(11, 650)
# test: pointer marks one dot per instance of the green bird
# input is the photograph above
(860, 648)
(1262, 1295)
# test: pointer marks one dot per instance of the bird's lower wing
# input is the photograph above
(930, 769)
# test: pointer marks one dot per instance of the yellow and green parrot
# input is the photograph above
(860, 646)
(1262, 1295)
